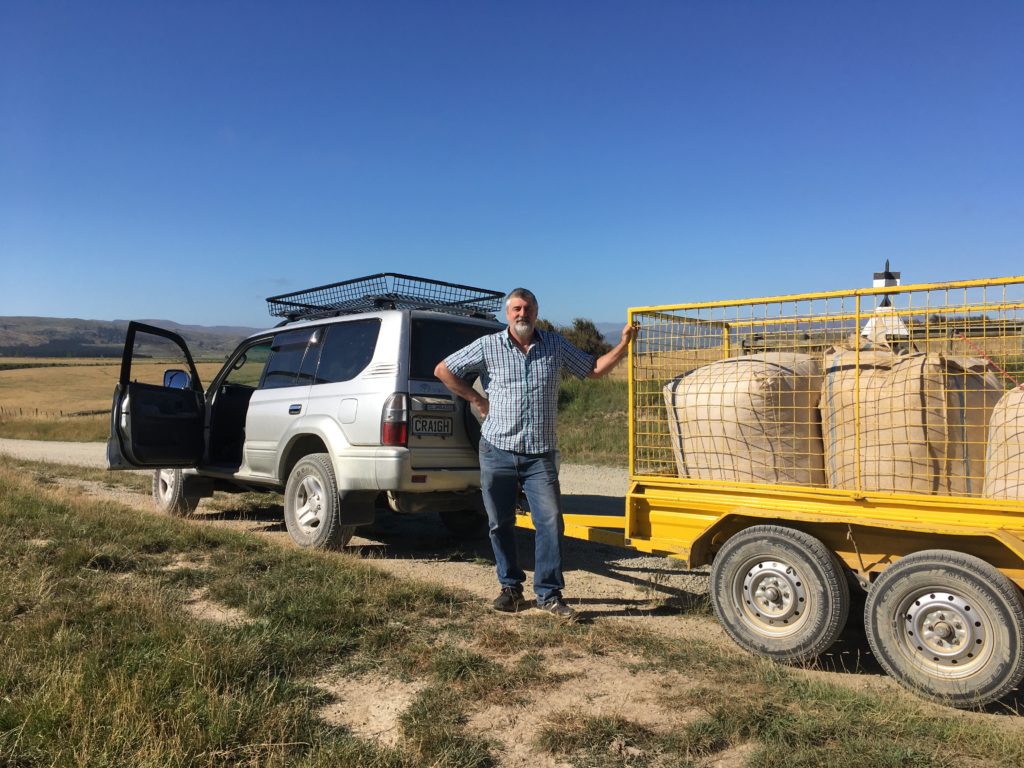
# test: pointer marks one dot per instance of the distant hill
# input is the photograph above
(72, 337)
(610, 332)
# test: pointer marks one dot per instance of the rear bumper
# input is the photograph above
(391, 469)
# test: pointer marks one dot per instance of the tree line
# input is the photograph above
(582, 334)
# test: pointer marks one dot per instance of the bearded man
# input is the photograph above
(521, 368)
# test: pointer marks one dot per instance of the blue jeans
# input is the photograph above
(501, 473)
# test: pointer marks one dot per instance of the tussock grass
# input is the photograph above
(434, 731)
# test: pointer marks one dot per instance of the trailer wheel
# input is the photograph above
(312, 505)
(949, 626)
(172, 494)
(779, 592)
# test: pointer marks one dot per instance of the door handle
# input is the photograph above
(295, 409)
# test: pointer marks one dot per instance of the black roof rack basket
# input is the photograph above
(386, 290)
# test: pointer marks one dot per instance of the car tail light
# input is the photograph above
(394, 422)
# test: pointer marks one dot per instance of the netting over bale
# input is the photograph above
(1004, 467)
(748, 419)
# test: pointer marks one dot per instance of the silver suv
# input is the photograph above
(337, 407)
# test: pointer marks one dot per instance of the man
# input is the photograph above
(521, 367)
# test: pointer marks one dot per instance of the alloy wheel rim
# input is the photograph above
(165, 483)
(310, 504)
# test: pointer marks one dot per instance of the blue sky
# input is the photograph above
(184, 160)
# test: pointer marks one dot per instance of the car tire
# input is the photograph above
(948, 626)
(171, 493)
(780, 592)
(312, 505)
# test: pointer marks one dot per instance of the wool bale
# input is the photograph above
(1004, 460)
(912, 423)
(750, 419)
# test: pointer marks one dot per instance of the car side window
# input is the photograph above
(247, 369)
(287, 352)
(346, 350)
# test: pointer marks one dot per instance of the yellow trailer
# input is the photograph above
(805, 446)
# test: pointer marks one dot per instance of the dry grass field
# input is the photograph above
(36, 402)
(82, 385)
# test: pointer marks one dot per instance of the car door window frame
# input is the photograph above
(312, 336)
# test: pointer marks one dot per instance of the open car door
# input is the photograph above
(157, 416)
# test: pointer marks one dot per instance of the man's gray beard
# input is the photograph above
(523, 328)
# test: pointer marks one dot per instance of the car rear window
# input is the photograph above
(347, 350)
(433, 340)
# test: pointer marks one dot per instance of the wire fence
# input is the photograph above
(40, 413)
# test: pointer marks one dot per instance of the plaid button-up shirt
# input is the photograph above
(522, 389)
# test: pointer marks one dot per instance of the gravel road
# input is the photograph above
(79, 454)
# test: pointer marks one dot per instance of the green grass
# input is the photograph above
(101, 665)
(592, 421)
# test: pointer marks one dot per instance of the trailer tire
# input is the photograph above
(312, 505)
(779, 592)
(948, 626)
(172, 494)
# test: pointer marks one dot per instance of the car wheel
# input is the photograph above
(464, 523)
(780, 593)
(170, 492)
(312, 505)
(949, 626)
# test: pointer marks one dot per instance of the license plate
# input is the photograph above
(431, 425)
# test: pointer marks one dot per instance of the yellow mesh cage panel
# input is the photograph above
(905, 390)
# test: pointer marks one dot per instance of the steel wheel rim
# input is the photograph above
(772, 597)
(309, 498)
(165, 483)
(943, 633)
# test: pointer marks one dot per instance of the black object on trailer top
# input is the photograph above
(386, 290)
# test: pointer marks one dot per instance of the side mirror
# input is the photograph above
(177, 379)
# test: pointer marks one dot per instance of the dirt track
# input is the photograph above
(79, 454)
